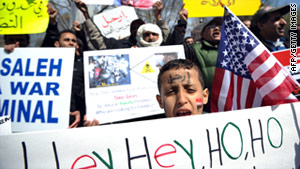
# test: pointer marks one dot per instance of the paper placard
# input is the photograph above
(122, 84)
(115, 23)
(212, 8)
(5, 125)
(35, 87)
(23, 16)
(261, 138)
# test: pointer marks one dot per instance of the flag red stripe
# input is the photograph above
(279, 94)
(228, 103)
(250, 94)
(260, 59)
(217, 85)
(239, 91)
(267, 76)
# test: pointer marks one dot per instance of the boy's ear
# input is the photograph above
(158, 98)
(205, 94)
(56, 44)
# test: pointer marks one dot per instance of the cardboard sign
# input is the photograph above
(143, 4)
(116, 22)
(212, 8)
(35, 87)
(23, 16)
(122, 84)
(5, 125)
(265, 137)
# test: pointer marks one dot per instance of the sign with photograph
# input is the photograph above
(115, 23)
(35, 87)
(258, 138)
(122, 83)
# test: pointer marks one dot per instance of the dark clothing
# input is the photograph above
(177, 36)
(272, 48)
(52, 34)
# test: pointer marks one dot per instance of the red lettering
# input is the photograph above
(87, 167)
(156, 155)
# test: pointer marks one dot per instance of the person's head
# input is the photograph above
(149, 35)
(23, 39)
(268, 22)
(134, 26)
(66, 38)
(180, 84)
(246, 21)
(211, 30)
(189, 40)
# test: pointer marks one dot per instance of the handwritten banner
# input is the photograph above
(143, 4)
(5, 125)
(23, 16)
(122, 84)
(115, 23)
(265, 137)
(35, 87)
(212, 8)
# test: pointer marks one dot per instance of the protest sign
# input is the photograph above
(35, 87)
(115, 23)
(212, 8)
(122, 84)
(261, 138)
(23, 16)
(5, 125)
(143, 4)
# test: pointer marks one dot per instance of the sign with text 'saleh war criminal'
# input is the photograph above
(23, 16)
(212, 8)
(115, 23)
(35, 87)
(122, 84)
(258, 138)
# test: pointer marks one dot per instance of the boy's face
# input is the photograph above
(181, 93)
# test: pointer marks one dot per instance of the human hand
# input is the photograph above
(77, 119)
(183, 13)
(158, 5)
(52, 14)
(10, 47)
(82, 7)
(76, 25)
(88, 123)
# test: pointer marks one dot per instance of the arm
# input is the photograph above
(177, 36)
(96, 38)
(161, 23)
(52, 30)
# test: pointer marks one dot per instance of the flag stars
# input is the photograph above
(245, 34)
(224, 63)
(252, 43)
(225, 52)
(239, 26)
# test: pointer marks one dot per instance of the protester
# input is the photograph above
(13, 41)
(246, 21)
(100, 42)
(269, 27)
(206, 51)
(189, 40)
(181, 88)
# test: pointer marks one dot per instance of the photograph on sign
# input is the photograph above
(122, 84)
(35, 87)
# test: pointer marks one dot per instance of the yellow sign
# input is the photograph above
(23, 16)
(147, 68)
(212, 8)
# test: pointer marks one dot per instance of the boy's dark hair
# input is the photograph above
(66, 31)
(178, 64)
(8, 40)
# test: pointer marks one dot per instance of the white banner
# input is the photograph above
(5, 125)
(99, 2)
(35, 87)
(122, 84)
(259, 138)
(115, 23)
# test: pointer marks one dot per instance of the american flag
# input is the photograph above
(247, 75)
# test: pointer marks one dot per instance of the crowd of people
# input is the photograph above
(178, 97)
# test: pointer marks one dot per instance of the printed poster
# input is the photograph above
(122, 83)
(35, 87)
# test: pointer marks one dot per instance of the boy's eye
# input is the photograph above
(190, 90)
(171, 91)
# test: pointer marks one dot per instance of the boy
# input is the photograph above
(180, 85)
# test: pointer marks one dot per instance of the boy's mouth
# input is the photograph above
(183, 113)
